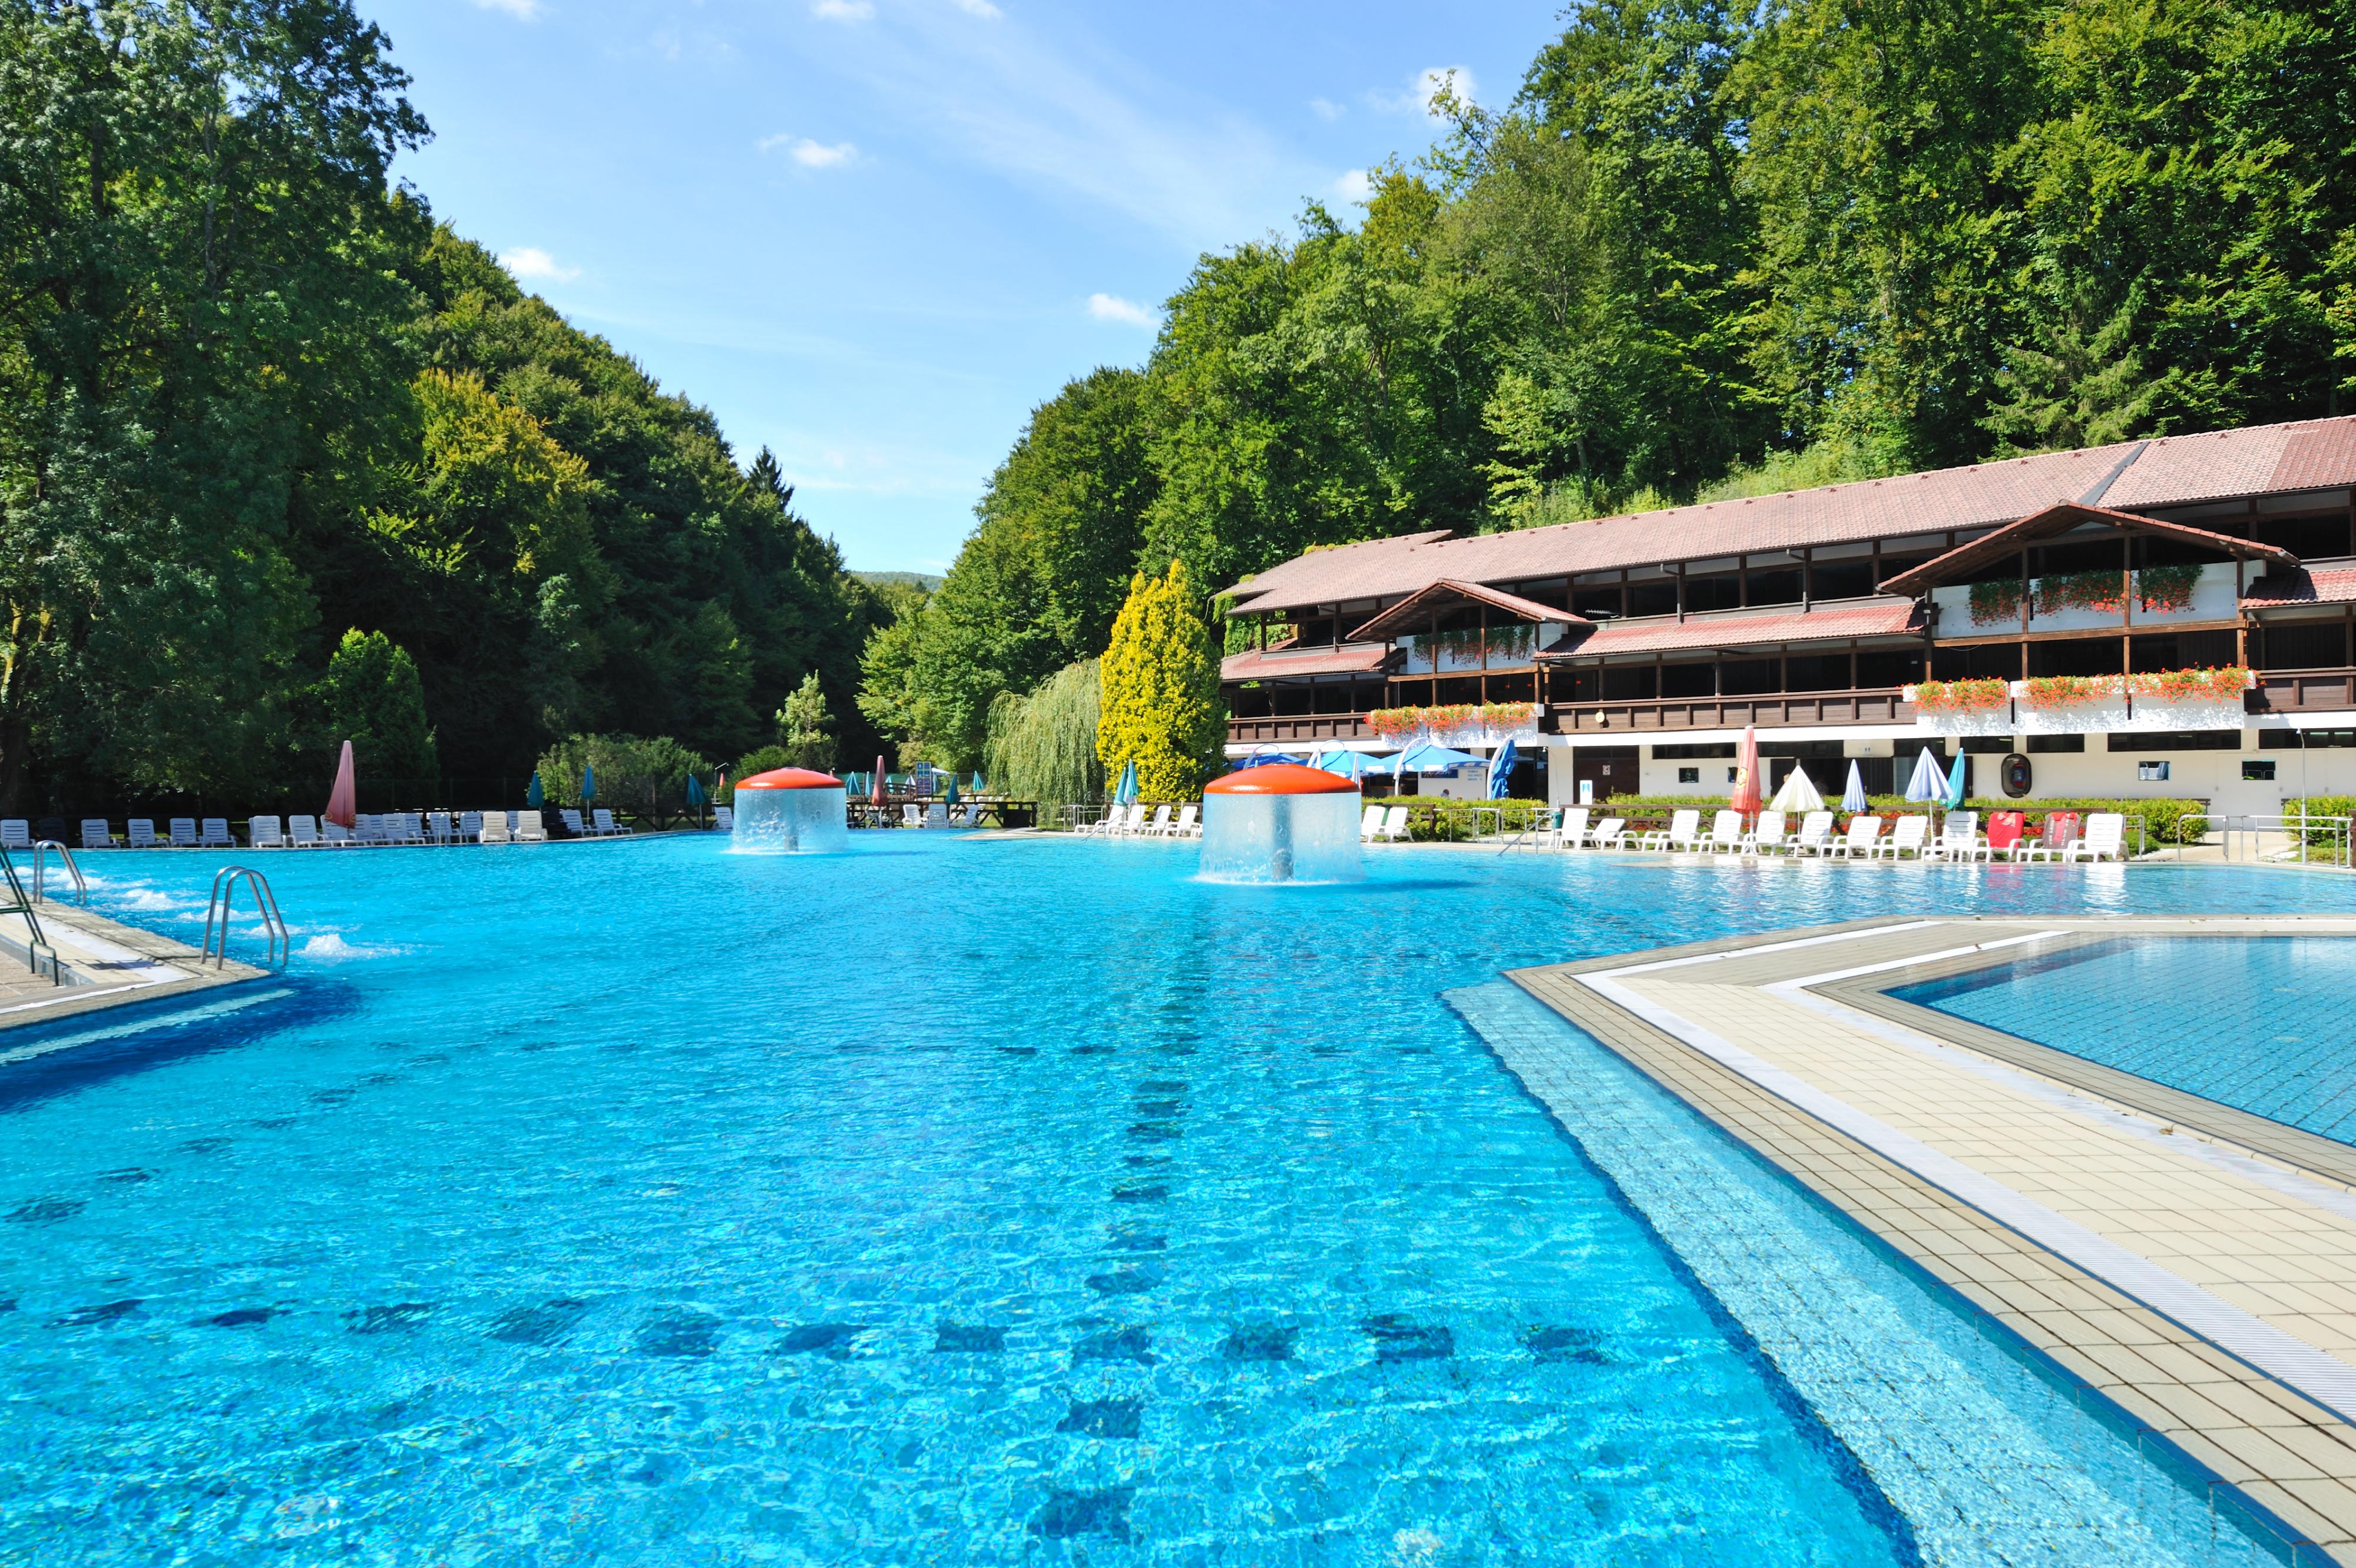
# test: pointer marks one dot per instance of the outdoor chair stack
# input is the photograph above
(437, 826)
(470, 827)
(335, 835)
(570, 818)
(262, 832)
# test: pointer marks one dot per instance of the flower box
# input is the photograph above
(2070, 690)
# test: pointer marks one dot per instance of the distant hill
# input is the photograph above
(917, 579)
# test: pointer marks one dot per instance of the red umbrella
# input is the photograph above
(876, 794)
(1746, 774)
(344, 798)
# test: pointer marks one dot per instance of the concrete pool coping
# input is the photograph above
(108, 965)
(2193, 1264)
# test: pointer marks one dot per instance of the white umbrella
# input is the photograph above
(1929, 782)
(1853, 801)
(1797, 796)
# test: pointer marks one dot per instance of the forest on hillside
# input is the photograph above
(1703, 252)
(283, 460)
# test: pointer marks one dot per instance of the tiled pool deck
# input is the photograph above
(108, 965)
(2194, 1263)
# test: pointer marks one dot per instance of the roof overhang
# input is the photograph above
(2055, 520)
(1880, 617)
(1411, 613)
(1272, 664)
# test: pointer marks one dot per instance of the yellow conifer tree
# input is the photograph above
(1160, 703)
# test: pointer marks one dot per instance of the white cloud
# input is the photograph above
(530, 262)
(809, 154)
(842, 10)
(1354, 186)
(982, 8)
(1326, 109)
(1113, 307)
(1423, 88)
(521, 10)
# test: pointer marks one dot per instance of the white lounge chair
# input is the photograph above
(1185, 827)
(367, 828)
(912, 816)
(470, 827)
(94, 834)
(140, 832)
(529, 829)
(1907, 837)
(215, 834)
(1725, 832)
(184, 833)
(724, 819)
(1692, 837)
(437, 826)
(303, 831)
(1863, 841)
(2107, 835)
(1370, 824)
(335, 835)
(1134, 823)
(262, 832)
(971, 817)
(1816, 834)
(1684, 827)
(1959, 839)
(1160, 826)
(936, 815)
(493, 828)
(1612, 833)
(601, 822)
(16, 833)
(1395, 829)
(1569, 829)
(570, 818)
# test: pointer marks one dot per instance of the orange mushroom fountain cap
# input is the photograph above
(790, 779)
(1280, 778)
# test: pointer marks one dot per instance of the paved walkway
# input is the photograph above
(2195, 1263)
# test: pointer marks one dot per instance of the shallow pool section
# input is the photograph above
(947, 1200)
(2262, 1023)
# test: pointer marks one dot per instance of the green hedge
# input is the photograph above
(2328, 837)
(1438, 818)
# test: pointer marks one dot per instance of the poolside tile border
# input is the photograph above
(2291, 1458)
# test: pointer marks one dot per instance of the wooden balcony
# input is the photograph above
(1301, 729)
(2292, 690)
(1779, 710)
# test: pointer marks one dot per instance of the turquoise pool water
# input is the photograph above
(968, 1202)
(2262, 1023)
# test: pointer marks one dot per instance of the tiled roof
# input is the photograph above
(1350, 659)
(1748, 629)
(2332, 585)
(2057, 520)
(2174, 471)
(1401, 617)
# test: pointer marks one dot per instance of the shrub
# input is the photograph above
(635, 773)
(761, 760)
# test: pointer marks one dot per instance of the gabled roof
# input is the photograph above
(2176, 471)
(1266, 664)
(2056, 521)
(1411, 613)
(2281, 590)
(1743, 628)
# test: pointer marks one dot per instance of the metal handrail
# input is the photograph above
(41, 865)
(280, 948)
(38, 945)
(2335, 829)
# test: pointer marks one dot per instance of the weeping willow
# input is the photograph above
(1044, 747)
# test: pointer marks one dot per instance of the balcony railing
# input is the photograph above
(1301, 728)
(2291, 691)
(1768, 711)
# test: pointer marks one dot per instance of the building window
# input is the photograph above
(1991, 745)
(2257, 771)
(2043, 744)
(2316, 740)
(1700, 749)
(1775, 586)
(1732, 773)
(1627, 683)
(1688, 680)
(2301, 645)
(1657, 597)
(1718, 591)
(2179, 740)
(1689, 774)
(1744, 677)
(1814, 672)
(1841, 579)
(2151, 772)
(1876, 669)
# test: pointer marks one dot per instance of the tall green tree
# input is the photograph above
(373, 699)
(1160, 706)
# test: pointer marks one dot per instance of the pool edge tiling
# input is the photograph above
(2186, 1267)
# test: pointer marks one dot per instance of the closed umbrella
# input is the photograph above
(343, 800)
(1746, 773)
(1125, 793)
(588, 785)
(533, 795)
(1926, 783)
(1501, 771)
(876, 795)
(1798, 794)
(1853, 799)
(1953, 793)
(695, 797)
(951, 799)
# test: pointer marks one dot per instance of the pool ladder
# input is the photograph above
(38, 953)
(41, 866)
(280, 946)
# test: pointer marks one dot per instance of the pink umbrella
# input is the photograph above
(876, 795)
(1746, 774)
(344, 798)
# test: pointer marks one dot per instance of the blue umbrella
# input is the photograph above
(1927, 783)
(1125, 792)
(1501, 771)
(1262, 758)
(1354, 764)
(1431, 759)
(1953, 793)
(694, 791)
(533, 796)
(952, 797)
(976, 782)
(588, 783)
(1853, 800)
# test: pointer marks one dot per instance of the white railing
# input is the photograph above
(2308, 838)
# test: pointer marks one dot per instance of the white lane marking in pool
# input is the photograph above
(141, 1027)
(2285, 1357)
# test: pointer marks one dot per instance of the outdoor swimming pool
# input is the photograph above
(2261, 1023)
(973, 1202)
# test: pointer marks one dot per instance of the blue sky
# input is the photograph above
(873, 234)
